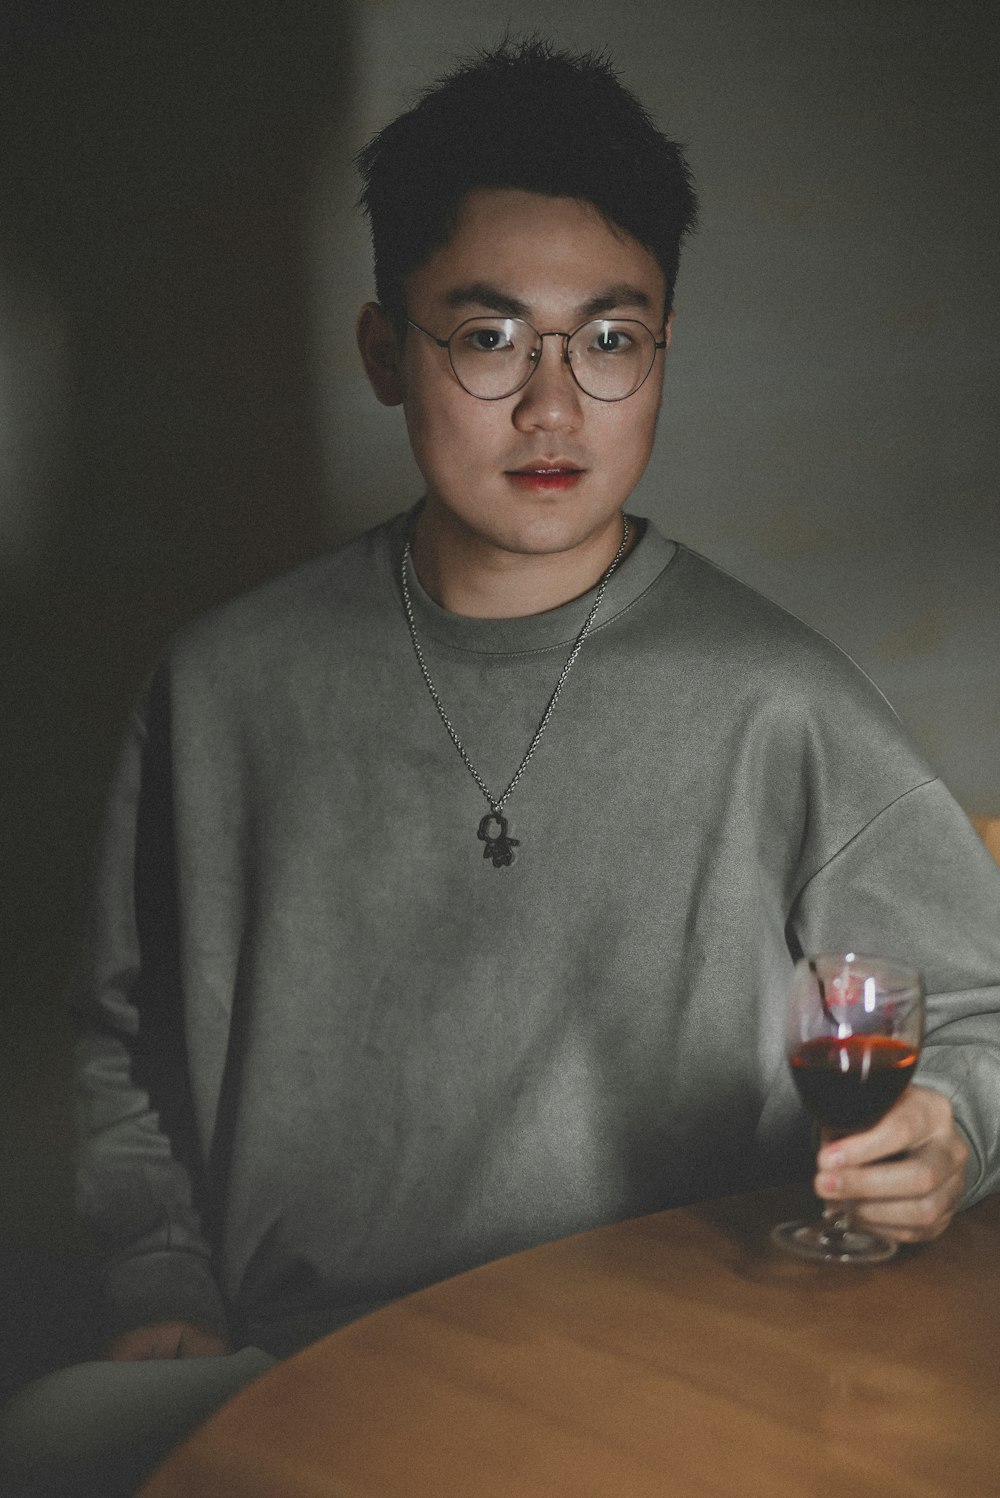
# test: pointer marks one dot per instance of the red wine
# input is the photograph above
(848, 1084)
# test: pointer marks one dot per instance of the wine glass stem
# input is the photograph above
(838, 1219)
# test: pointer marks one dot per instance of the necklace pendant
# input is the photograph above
(499, 846)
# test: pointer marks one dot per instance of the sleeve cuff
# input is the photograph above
(162, 1286)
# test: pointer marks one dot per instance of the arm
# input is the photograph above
(139, 1168)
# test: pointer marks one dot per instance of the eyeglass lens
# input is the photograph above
(494, 356)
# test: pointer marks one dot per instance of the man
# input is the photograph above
(452, 884)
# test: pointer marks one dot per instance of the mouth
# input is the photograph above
(552, 476)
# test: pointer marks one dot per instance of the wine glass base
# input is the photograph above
(821, 1244)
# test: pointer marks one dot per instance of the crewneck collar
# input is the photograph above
(651, 553)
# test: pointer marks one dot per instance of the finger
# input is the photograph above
(908, 1221)
(198, 1344)
(922, 1174)
(143, 1344)
(920, 1116)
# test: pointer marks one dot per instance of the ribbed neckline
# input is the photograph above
(560, 626)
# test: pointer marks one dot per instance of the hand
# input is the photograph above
(167, 1339)
(911, 1199)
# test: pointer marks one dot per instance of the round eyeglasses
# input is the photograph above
(493, 357)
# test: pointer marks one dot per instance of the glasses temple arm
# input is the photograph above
(441, 342)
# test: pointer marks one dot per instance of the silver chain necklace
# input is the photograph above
(499, 846)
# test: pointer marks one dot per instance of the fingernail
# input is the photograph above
(828, 1183)
(833, 1157)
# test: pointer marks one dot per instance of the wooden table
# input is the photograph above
(677, 1354)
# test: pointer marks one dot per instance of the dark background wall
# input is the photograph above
(159, 441)
(182, 412)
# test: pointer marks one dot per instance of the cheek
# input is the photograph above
(629, 434)
(449, 432)
(426, 423)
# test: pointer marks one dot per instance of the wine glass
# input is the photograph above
(854, 1027)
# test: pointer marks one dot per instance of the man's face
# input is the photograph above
(547, 469)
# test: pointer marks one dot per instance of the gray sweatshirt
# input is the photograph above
(329, 1053)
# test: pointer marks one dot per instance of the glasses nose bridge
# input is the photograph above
(564, 357)
(565, 338)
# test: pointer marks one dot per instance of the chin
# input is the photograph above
(544, 536)
(563, 527)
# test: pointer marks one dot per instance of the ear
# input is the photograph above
(381, 354)
(668, 329)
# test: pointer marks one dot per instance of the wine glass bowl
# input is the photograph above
(853, 1036)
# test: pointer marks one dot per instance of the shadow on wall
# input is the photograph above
(157, 452)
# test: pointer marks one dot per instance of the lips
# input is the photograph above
(558, 474)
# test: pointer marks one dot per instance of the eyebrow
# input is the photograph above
(485, 294)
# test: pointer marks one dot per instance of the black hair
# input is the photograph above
(522, 115)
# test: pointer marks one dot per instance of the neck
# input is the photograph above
(473, 577)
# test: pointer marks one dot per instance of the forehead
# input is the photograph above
(541, 255)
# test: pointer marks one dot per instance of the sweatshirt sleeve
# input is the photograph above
(139, 1173)
(916, 883)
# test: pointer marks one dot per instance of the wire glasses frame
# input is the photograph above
(494, 357)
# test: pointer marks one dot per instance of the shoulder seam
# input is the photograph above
(803, 623)
(911, 790)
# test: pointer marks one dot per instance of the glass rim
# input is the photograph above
(818, 1005)
(877, 963)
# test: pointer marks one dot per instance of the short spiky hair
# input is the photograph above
(523, 115)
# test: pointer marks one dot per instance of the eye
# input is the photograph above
(611, 340)
(489, 340)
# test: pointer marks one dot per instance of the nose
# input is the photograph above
(550, 401)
